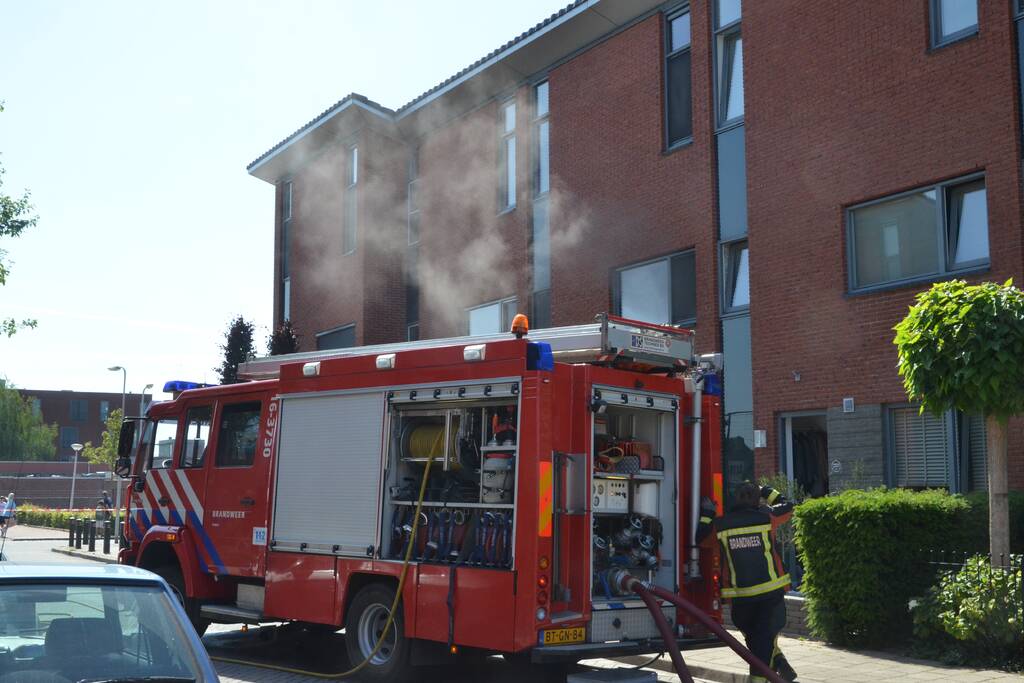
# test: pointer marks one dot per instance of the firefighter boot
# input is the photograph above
(782, 667)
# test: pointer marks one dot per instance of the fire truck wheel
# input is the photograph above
(364, 624)
(174, 578)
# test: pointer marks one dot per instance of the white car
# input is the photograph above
(93, 624)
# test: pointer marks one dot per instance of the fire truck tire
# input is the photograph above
(174, 578)
(364, 621)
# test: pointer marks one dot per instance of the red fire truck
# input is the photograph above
(520, 476)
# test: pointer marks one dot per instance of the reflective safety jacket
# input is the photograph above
(753, 569)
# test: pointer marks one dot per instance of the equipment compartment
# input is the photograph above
(467, 515)
(632, 491)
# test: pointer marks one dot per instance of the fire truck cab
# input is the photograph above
(538, 466)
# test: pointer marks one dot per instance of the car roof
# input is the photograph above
(106, 573)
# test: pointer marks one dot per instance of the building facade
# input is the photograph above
(783, 177)
(80, 416)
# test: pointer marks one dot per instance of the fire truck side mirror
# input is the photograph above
(124, 449)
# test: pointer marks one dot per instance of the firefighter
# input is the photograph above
(755, 578)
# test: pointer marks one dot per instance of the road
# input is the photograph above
(288, 646)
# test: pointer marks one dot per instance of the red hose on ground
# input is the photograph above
(717, 629)
(666, 633)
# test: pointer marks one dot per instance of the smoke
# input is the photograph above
(470, 252)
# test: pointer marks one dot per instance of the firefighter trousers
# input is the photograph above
(760, 621)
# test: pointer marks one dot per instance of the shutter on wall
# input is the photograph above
(977, 453)
(920, 449)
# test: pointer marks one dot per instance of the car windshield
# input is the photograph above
(91, 632)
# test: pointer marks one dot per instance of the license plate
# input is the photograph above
(563, 636)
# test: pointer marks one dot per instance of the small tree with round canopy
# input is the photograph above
(961, 347)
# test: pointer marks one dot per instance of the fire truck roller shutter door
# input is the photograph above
(328, 473)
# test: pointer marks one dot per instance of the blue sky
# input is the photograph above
(132, 124)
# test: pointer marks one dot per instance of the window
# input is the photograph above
(412, 291)
(540, 244)
(414, 203)
(729, 62)
(919, 235)
(492, 318)
(953, 20)
(68, 436)
(973, 443)
(736, 257)
(286, 299)
(679, 90)
(412, 332)
(542, 170)
(78, 409)
(286, 229)
(161, 444)
(928, 451)
(348, 236)
(920, 448)
(663, 291)
(508, 156)
(37, 407)
(339, 338)
(239, 432)
(104, 410)
(286, 250)
(197, 436)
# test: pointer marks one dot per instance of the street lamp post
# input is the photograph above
(118, 486)
(77, 448)
(142, 399)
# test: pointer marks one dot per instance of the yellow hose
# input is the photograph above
(394, 605)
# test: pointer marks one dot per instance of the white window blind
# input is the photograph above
(920, 449)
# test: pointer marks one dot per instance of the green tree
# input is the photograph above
(237, 348)
(23, 434)
(106, 452)
(284, 340)
(962, 347)
(15, 217)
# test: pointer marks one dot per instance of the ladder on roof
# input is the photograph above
(609, 338)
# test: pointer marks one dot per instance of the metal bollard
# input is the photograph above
(71, 532)
(108, 528)
(92, 535)
(79, 528)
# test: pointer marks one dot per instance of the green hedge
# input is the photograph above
(55, 519)
(862, 555)
(866, 554)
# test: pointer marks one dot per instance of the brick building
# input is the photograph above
(80, 416)
(784, 177)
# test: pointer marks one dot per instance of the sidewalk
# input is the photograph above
(23, 532)
(816, 662)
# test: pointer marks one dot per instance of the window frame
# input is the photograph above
(670, 16)
(508, 188)
(350, 222)
(721, 35)
(323, 333)
(667, 258)
(727, 272)
(501, 304)
(935, 26)
(945, 270)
